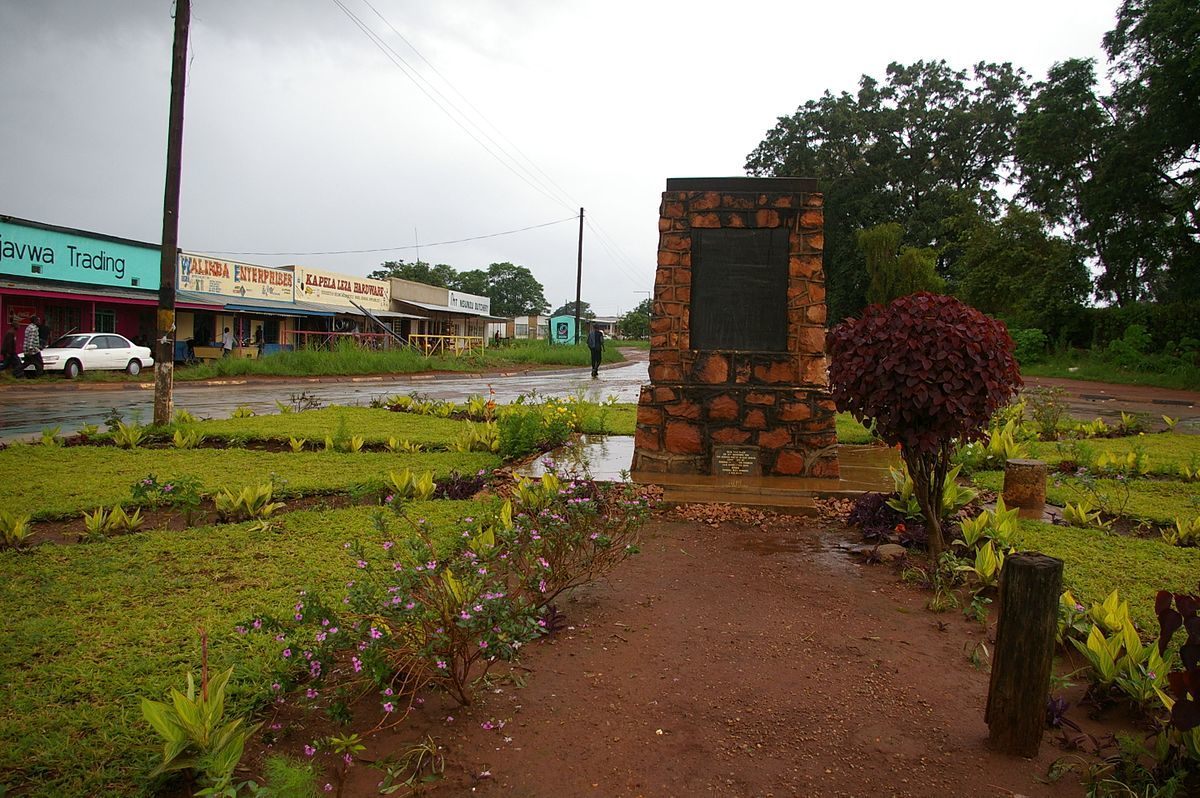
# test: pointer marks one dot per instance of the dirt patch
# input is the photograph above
(745, 659)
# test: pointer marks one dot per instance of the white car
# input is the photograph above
(80, 352)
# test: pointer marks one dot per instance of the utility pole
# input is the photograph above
(164, 355)
(579, 276)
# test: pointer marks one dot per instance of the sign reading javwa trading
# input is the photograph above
(233, 279)
(331, 288)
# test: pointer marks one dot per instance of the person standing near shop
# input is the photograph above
(43, 333)
(595, 342)
(227, 343)
(33, 347)
(8, 353)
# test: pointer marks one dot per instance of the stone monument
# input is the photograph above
(738, 380)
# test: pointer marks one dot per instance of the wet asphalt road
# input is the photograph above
(25, 409)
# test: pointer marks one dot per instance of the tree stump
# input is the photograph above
(1025, 487)
(1030, 586)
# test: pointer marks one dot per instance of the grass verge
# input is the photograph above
(1083, 366)
(85, 477)
(91, 629)
(1156, 501)
(373, 424)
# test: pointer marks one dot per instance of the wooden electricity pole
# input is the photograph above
(164, 353)
(579, 276)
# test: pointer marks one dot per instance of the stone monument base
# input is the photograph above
(732, 430)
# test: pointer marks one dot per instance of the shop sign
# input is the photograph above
(470, 303)
(233, 279)
(27, 251)
(331, 288)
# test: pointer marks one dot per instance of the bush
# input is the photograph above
(1030, 345)
(929, 372)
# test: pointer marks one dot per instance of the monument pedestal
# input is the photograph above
(738, 381)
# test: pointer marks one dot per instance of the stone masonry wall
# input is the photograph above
(775, 400)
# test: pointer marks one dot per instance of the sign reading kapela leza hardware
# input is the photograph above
(331, 288)
(29, 251)
(234, 279)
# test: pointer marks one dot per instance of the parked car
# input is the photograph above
(78, 352)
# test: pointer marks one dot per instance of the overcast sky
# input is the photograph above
(301, 136)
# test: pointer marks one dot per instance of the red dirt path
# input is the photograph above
(734, 661)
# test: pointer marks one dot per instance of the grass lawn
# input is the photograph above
(84, 477)
(373, 424)
(1167, 451)
(1096, 562)
(90, 629)
(850, 431)
(1155, 500)
(618, 419)
(1085, 367)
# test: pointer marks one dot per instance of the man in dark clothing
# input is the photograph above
(8, 353)
(43, 332)
(595, 342)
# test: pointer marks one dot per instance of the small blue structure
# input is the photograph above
(562, 329)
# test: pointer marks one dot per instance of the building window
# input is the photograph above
(522, 331)
(106, 321)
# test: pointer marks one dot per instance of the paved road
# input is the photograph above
(26, 408)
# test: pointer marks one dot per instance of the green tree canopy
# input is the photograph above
(636, 323)
(895, 271)
(568, 309)
(419, 271)
(918, 148)
(514, 291)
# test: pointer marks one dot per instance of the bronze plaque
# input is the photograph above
(739, 289)
(736, 461)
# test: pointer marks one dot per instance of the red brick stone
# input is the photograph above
(664, 277)
(799, 294)
(760, 398)
(743, 202)
(733, 219)
(705, 202)
(776, 373)
(789, 463)
(673, 242)
(814, 200)
(810, 339)
(815, 314)
(795, 411)
(815, 371)
(661, 324)
(683, 293)
(668, 258)
(827, 406)
(662, 394)
(712, 369)
(664, 356)
(805, 266)
(774, 438)
(664, 225)
(729, 435)
(766, 218)
(816, 292)
(683, 438)
(649, 415)
(672, 210)
(672, 309)
(666, 374)
(815, 242)
(812, 218)
(684, 409)
(704, 220)
(755, 419)
(646, 438)
(784, 201)
(723, 408)
(658, 340)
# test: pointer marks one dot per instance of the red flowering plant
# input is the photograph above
(928, 371)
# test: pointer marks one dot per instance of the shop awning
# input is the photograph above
(395, 314)
(51, 288)
(270, 306)
(198, 300)
(450, 310)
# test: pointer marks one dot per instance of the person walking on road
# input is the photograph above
(227, 343)
(33, 347)
(595, 342)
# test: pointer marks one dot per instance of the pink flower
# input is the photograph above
(287, 652)
(309, 750)
(389, 707)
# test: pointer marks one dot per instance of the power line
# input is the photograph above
(411, 73)
(391, 249)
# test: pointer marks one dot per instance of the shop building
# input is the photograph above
(442, 320)
(77, 281)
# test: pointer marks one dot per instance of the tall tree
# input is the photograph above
(918, 148)
(474, 281)
(895, 271)
(514, 291)
(1016, 269)
(568, 309)
(419, 271)
(636, 323)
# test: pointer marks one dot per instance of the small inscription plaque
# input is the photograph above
(736, 461)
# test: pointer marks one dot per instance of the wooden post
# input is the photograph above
(1030, 586)
(1025, 487)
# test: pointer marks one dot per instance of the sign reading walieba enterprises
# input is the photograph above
(30, 251)
(233, 279)
(470, 303)
(331, 288)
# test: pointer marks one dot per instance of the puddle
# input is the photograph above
(604, 457)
